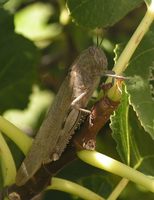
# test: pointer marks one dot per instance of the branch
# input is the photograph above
(84, 138)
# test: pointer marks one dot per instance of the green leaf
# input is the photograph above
(18, 59)
(100, 13)
(135, 146)
(140, 86)
(40, 29)
(3, 1)
(6, 22)
(120, 127)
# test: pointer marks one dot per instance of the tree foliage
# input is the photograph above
(39, 41)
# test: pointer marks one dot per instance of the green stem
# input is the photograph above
(106, 163)
(7, 163)
(119, 188)
(73, 188)
(22, 140)
(131, 46)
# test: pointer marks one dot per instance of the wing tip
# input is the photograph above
(22, 175)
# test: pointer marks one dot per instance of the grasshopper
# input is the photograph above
(65, 112)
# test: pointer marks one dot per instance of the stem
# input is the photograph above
(122, 62)
(119, 188)
(22, 140)
(111, 165)
(73, 188)
(7, 163)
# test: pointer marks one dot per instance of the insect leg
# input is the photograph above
(75, 103)
(112, 74)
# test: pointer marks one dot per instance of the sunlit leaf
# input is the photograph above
(7, 165)
(33, 22)
(140, 85)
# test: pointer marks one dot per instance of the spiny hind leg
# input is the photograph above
(75, 103)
